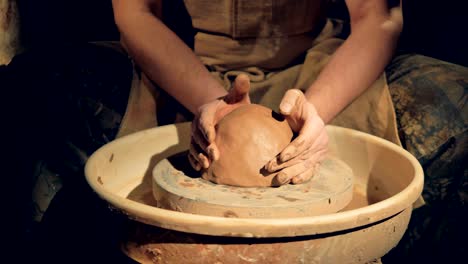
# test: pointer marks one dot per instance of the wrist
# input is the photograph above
(320, 101)
(213, 93)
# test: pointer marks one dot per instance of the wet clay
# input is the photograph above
(247, 139)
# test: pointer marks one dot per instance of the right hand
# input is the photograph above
(298, 162)
(203, 149)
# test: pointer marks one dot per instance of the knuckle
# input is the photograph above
(308, 164)
(299, 142)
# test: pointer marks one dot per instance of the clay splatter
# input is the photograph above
(186, 184)
(289, 199)
(230, 214)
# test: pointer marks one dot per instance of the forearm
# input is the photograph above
(354, 67)
(167, 60)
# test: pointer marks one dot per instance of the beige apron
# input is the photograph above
(234, 35)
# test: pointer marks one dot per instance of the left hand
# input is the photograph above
(203, 149)
(299, 160)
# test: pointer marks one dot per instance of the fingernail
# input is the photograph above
(297, 180)
(271, 168)
(285, 107)
(285, 157)
(203, 161)
(210, 151)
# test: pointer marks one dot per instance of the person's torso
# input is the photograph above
(265, 33)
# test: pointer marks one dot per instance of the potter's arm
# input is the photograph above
(352, 69)
(162, 55)
(168, 62)
(360, 60)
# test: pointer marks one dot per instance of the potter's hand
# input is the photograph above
(299, 160)
(203, 149)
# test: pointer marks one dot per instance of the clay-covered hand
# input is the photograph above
(203, 149)
(300, 159)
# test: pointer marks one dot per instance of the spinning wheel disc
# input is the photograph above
(329, 191)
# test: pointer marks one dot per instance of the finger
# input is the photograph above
(306, 175)
(302, 153)
(205, 163)
(288, 173)
(199, 139)
(193, 150)
(316, 159)
(315, 149)
(210, 150)
(290, 100)
(207, 122)
(197, 154)
(276, 164)
(276, 182)
(213, 151)
(307, 137)
(239, 93)
(194, 163)
(272, 165)
(198, 143)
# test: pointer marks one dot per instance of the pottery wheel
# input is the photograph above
(329, 191)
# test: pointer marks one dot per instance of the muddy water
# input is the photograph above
(359, 200)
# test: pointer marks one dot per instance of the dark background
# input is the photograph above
(433, 28)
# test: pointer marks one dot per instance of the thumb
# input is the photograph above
(240, 90)
(292, 100)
